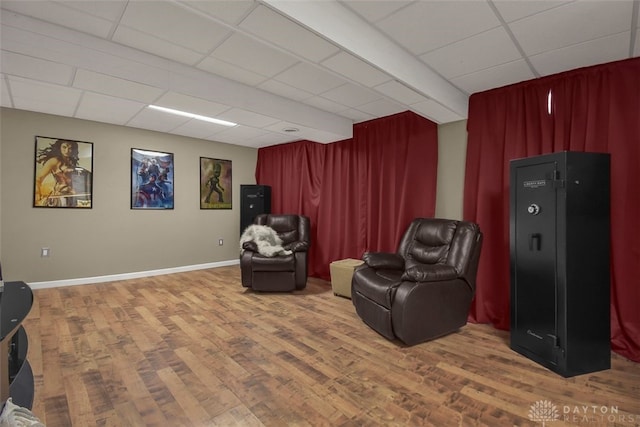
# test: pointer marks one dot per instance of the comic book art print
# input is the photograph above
(63, 173)
(215, 183)
(152, 181)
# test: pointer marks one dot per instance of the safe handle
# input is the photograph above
(534, 241)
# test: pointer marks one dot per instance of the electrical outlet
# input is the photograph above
(44, 252)
(220, 242)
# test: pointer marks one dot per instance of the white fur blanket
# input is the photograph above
(266, 238)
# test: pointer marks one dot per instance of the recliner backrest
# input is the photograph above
(290, 228)
(443, 241)
(427, 241)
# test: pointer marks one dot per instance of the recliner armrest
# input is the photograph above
(298, 246)
(429, 273)
(383, 260)
(250, 246)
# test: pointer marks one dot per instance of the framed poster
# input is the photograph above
(151, 179)
(215, 183)
(63, 171)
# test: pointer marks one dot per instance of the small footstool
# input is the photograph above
(341, 275)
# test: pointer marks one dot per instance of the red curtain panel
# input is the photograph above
(594, 109)
(360, 193)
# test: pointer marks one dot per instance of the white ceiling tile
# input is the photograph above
(155, 45)
(61, 14)
(400, 92)
(110, 10)
(375, 10)
(356, 115)
(40, 46)
(511, 10)
(309, 78)
(239, 133)
(320, 136)
(484, 50)
(5, 95)
(499, 76)
(90, 53)
(283, 32)
(135, 71)
(175, 24)
(247, 118)
(303, 132)
(570, 24)
(115, 86)
(191, 104)
(230, 11)
(269, 138)
(24, 34)
(230, 71)
(427, 25)
(436, 112)
(218, 89)
(43, 97)
(351, 95)
(359, 37)
(285, 90)
(34, 68)
(316, 135)
(186, 54)
(325, 104)
(280, 127)
(107, 109)
(356, 69)
(605, 49)
(382, 108)
(157, 120)
(249, 54)
(199, 129)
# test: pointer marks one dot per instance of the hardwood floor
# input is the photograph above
(197, 349)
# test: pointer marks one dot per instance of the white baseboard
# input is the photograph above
(126, 276)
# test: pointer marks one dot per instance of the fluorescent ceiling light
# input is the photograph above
(193, 116)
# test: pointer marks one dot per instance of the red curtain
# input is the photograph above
(595, 109)
(294, 172)
(360, 193)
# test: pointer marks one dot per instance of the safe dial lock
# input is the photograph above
(533, 209)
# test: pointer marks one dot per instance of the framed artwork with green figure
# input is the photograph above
(215, 183)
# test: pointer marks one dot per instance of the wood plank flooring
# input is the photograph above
(197, 349)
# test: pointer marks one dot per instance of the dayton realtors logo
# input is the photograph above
(545, 411)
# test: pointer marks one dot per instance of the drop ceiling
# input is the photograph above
(291, 70)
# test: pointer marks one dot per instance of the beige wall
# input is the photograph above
(452, 152)
(110, 238)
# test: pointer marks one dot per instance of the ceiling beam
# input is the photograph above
(340, 25)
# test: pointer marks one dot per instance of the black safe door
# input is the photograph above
(535, 296)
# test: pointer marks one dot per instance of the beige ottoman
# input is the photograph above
(341, 275)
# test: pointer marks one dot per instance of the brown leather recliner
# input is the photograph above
(283, 272)
(424, 290)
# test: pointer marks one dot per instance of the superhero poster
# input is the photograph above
(215, 183)
(151, 179)
(63, 171)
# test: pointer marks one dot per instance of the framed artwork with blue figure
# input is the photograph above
(215, 183)
(152, 179)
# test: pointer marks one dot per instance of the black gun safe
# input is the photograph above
(254, 200)
(560, 267)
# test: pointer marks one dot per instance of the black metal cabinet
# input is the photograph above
(254, 200)
(560, 266)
